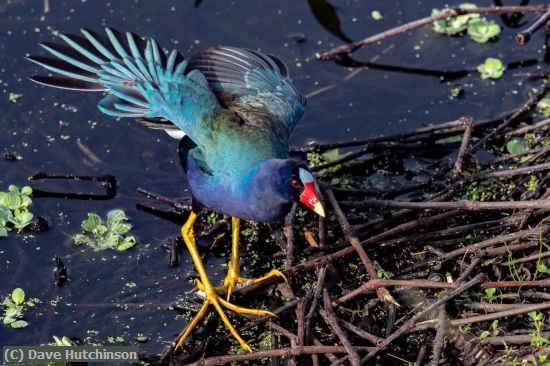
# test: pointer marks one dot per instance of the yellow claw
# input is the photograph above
(210, 292)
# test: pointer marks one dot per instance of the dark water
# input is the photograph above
(46, 127)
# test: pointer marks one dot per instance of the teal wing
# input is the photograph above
(254, 85)
(142, 81)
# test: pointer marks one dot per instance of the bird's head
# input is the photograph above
(288, 180)
(307, 191)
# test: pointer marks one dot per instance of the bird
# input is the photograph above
(235, 107)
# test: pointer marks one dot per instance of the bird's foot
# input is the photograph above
(233, 280)
(212, 298)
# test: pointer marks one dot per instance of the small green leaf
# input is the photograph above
(491, 68)
(141, 338)
(92, 222)
(12, 200)
(119, 228)
(100, 230)
(453, 26)
(111, 241)
(18, 296)
(543, 106)
(19, 324)
(21, 219)
(3, 232)
(14, 313)
(116, 214)
(127, 243)
(26, 190)
(79, 239)
(481, 30)
(376, 15)
(484, 335)
(516, 146)
(8, 320)
(13, 188)
(8, 303)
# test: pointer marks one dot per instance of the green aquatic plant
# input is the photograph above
(537, 339)
(106, 234)
(376, 15)
(516, 146)
(481, 30)
(13, 309)
(491, 68)
(62, 342)
(14, 209)
(453, 26)
(533, 184)
(543, 106)
(493, 332)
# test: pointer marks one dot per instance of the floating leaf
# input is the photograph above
(516, 146)
(543, 106)
(116, 214)
(481, 30)
(11, 200)
(484, 335)
(491, 68)
(79, 239)
(21, 219)
(454, 25)
(376, 15)
(8, 303)
(18, 296)
(106, 234)
(3, 232)
(92, 222)
(127, 243)
(12, 313)
(26, 190)
(19, 324)
(64, 341)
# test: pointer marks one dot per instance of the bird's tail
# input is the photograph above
(135, 72)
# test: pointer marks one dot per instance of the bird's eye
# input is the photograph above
(295, 183)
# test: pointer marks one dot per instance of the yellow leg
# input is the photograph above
(234, 267)
(211, 297)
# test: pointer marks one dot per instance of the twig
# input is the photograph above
(525, 36)
(505, 341)
(439, 340)
(283, 352)
(527, 129)
(457, 205)
(530, 104)
(300, 313)
(330, 318)
(410, 323)
(469, 123)
(177, 205)
(360, 332)
(523, 309)
(456, 126)
(421, 354)
(349, 233)
(349, 48)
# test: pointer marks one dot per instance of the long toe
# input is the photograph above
(212, 298)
